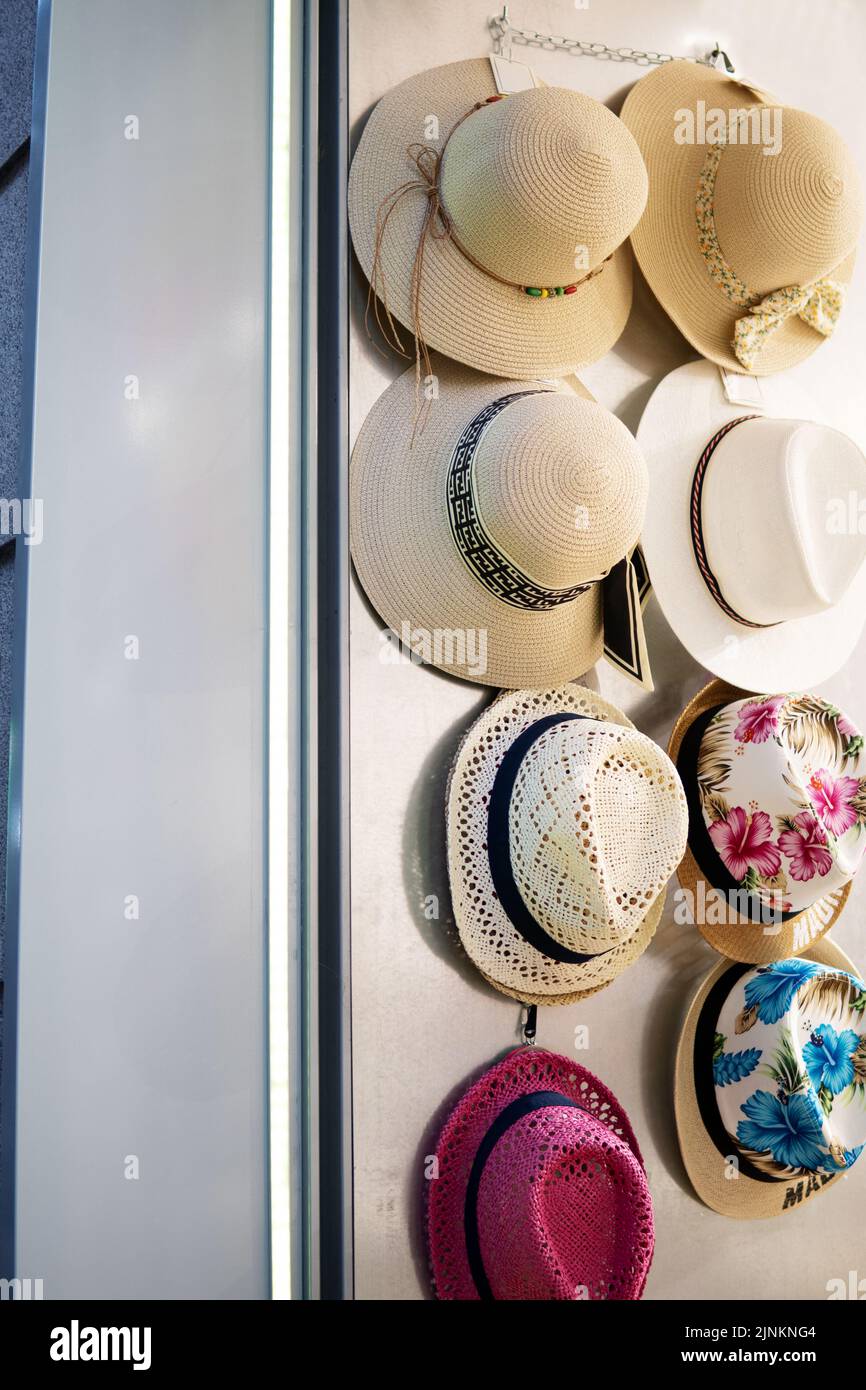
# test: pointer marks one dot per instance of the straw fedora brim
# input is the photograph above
(682, 415)
(492, 942)
(464, 312)
(411, 569)
(749, 942)
(665, 241)
(744, 1197)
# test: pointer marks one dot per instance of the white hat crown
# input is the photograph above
(767, 501)
(789, 1068)
(597, 825)
(543, 185)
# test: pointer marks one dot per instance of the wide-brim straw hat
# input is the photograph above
(740, 1189)
(589, 819)
(534, 184)
(741, 939)
(539, 1190)
(689, 409)
(778, 221)
(560, 487)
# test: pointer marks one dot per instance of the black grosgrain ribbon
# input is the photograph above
(704, 1081)
(697, 528)
(706, 855)
(524, 1105)
(625, 587)
(499, 845)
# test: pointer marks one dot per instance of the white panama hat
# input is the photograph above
(751, 571)
(564, 826)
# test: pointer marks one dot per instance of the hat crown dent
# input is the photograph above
(791, 218)
(597, 825)
(779, 756)
(800, 1102)
(561, 486)
(542, 187)
(769, 494)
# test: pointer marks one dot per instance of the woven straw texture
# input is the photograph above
(526, 181)
(562, 489)
(564, 1210)
(743, 940)
(597, 826)
(744, 1197)
(782, 220)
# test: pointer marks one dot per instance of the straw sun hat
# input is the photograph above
(484, 543)
(770, 1083)
(749, 252)
(536, 192)
(777, 807)
(539, 1190)
(564, 824)
(751, 555)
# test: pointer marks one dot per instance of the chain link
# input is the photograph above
(505, 33)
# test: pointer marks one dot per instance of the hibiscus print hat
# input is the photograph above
(770, 1091)
(776, 790)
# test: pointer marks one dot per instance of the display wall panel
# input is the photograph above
(423, 1022)
(135, 1087)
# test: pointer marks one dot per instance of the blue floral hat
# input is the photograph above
(777, 1075)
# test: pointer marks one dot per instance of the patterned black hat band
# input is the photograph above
(697, 529)
(483, 557)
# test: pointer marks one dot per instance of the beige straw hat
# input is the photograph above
(494, 545)
(564, 824)
(769, 1082)
(748, 250)
(774, 789)
(536, 192)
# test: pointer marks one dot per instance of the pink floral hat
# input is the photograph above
(538, 1191)
(776, 787)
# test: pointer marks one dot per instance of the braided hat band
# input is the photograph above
(703, 563)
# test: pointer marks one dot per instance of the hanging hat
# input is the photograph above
(754, 213)
(770, 1090)
(564, 825)
(748, 539)
(497, 544)
(500, 237)
(777, 809)
(539, 1190)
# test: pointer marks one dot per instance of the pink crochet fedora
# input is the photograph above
(539, 1190)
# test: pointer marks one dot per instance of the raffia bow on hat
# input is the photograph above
(818, 305)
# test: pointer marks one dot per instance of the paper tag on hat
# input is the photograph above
(510, 76)
(740, 389)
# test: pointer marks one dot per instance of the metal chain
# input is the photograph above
(505, 33)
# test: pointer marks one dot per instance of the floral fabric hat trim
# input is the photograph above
(789, 1070)
(818, 305)
(782, 792)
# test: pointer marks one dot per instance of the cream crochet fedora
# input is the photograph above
(495, 544)
(748, 251)
(747, 535)
(770, 1089)
(777, 812)
(520, 206)
(564, 824)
